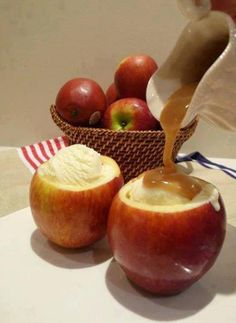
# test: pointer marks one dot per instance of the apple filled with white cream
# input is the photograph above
(165, 241)
(70, 195)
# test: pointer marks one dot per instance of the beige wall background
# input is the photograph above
(45, 43)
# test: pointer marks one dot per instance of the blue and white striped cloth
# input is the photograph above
(203, 161)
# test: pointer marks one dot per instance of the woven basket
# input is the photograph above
(134, 151)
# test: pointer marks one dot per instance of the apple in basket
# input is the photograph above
(129, 114)
(81, 102)
(70, 195)
(111, 94)
(164, 242)
(132, 76)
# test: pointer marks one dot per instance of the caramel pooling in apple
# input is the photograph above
(168, 178)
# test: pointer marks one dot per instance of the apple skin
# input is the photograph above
(165, 253)
(132, 76)
(112, 94)
(72, 219)
(129, 114)
(81, 102)
(227, 6)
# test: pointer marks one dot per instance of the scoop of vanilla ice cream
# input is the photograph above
(153, 196)
(73, 165)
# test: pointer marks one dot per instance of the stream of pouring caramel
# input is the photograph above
(168, 177)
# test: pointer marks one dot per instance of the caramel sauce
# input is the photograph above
(167, 177)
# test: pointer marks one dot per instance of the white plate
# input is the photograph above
(42, 283)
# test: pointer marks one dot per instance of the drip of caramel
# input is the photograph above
(168, 178)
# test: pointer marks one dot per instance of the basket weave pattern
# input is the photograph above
(134, 151)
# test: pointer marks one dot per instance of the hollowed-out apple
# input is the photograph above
(70, 199)
(166, 248)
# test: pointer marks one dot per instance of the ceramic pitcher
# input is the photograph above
(204, 53)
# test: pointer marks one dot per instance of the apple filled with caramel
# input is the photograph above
(165, 240)
(167, 228)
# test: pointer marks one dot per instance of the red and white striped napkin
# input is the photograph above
(36, 154)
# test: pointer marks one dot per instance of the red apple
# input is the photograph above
(132, 76)
(166, 248)
(111, 94)
(73, 215)
(81, 102)
(129, 114)
(227, 6)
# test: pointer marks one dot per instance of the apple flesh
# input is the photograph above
(72, 217)
(132, 76)
(111, 94)
(129, 114)
(165, 249)
(81, 102)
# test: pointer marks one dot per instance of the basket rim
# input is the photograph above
(75, 128)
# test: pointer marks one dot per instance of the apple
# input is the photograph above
(164, 249)
(72, 211)
(129, 114)
(112, 94)
(81, 102)
(132, 76)
(227, 6)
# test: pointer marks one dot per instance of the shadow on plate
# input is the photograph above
(69, 258)
(219, 280)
